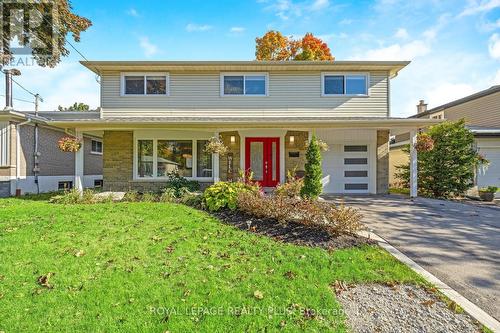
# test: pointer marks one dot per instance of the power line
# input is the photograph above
(20, 100)
(21, 86)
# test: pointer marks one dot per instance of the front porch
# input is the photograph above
(356, 162)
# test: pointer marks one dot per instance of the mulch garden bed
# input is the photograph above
(290, 232)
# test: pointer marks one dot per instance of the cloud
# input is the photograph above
(193, 27)
(401, 33)
(319, 5)
(346, 22)
(237, 30)
(489, 25)
(494, 46)
(329, 37)
(496, 79)
(287, 9)
(133, 12)
(448, 92)
(147, 47)
(407, 51)
(479, 6)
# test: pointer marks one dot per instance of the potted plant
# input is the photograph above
(215, 145)
(69, 144)
(488, 193)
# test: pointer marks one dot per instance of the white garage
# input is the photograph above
(490, 175)
(349, 166)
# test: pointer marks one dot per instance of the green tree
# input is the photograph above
(447, 169)
(48, 36)
(75, 107)
(312, 181)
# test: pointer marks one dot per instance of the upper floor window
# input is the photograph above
(439, 115)
(144, 84)
(248, 84)
(344, 84)
(96, 147)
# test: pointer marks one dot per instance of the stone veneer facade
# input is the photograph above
(382, 162)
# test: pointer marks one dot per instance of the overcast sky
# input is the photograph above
(454, 45)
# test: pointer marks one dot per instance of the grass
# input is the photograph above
(398, 190)
(154, 267)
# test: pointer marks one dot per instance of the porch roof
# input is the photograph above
(227, 122)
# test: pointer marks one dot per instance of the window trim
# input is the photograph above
(345, 74)
(244, 74)
(144, 75)
(92, 151)
(155, 140)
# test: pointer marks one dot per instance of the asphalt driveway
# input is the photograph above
(459, 243)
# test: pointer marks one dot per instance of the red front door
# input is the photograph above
(262, 158)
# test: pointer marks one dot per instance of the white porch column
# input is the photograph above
(78, 183)
(413, 164)
(215, 163)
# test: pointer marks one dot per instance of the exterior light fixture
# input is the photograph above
(233, 139)
(292, 139)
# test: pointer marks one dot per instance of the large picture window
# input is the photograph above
(175, 155)
(144, 84)
(156, 158)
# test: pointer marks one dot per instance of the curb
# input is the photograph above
(469, 307)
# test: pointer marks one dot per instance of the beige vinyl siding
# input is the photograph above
(198, 94)
(484, 111)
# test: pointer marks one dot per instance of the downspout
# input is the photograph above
(18, 154)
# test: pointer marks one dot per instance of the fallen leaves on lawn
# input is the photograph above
(169, 249)
(43, 280)
(79, 253)
(258, 294)
(340, 286)
(290, 275)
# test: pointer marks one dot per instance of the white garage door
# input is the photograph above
(490, 176)
(346, 169)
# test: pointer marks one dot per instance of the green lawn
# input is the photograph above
(122, 267)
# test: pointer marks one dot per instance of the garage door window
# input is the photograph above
(351, 161)
(356, 186)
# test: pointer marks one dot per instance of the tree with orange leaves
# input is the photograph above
(274, 46)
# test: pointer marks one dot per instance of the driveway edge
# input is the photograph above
(469, 307)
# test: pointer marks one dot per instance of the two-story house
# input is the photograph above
(156, 117)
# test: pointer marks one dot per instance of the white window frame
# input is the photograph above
(244, 74)
(4, 144)
(437, 115)
(345, 74)
(155, 140)
(144, 75)
(93, 152)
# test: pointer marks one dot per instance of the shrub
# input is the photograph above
(292, 186)
(168, 195)
(489, 189)
(131, 196)
(179, 184)
(312, 181)
(225, 195)
(74, 196)
(311, 213)
(192, 199)
(447, 169)
(149, 197)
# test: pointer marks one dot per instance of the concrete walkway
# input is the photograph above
(458, 243)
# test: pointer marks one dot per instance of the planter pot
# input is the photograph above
(487, 196)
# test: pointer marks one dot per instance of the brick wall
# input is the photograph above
(234, 149)
(382, 162)
(298, 146)
(117, 160)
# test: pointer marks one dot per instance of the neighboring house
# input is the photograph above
(157, 116)
(22, 170)
(481, 112)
